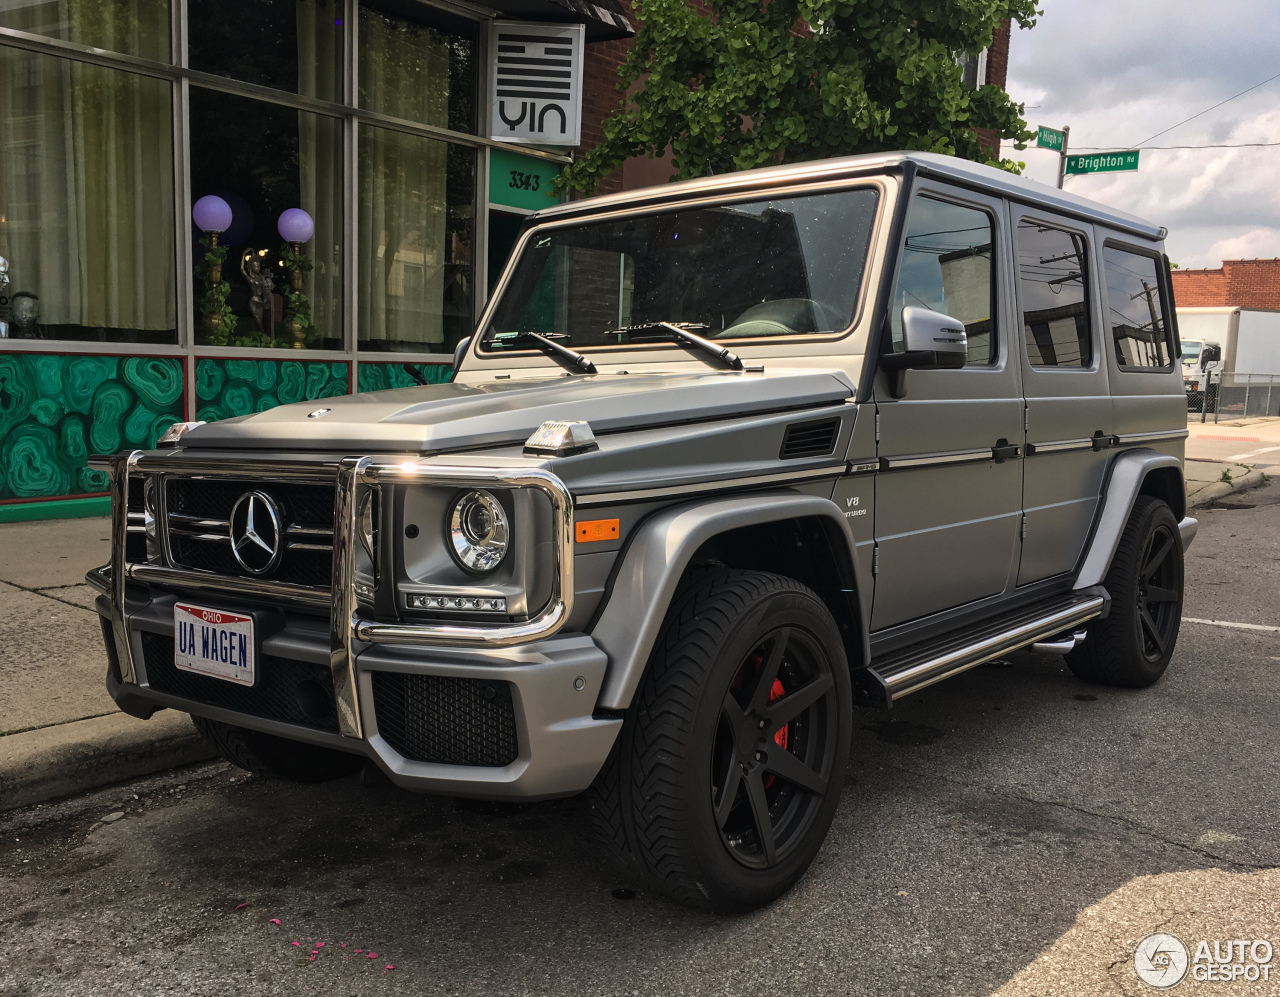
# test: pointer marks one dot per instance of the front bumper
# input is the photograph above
(387, 691)
(553, 686)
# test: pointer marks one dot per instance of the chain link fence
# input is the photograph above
(1234, 396)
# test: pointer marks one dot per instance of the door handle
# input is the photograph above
(1101, 441)
(1004, 450)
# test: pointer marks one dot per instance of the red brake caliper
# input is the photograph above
(776, 693)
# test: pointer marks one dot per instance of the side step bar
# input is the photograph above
(913, 668)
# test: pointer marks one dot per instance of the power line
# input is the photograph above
(1156, 148)
(1208, 109)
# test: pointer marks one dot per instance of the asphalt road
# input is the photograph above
(978, 823)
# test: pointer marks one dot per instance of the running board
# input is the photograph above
(913, 668)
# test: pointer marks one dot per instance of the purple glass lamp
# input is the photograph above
(296, 227)
(212, 216)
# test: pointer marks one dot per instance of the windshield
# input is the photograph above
(1190, 352)
(777, 267)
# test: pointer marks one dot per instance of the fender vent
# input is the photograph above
(809, 439)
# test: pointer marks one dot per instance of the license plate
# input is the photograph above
(213, 642)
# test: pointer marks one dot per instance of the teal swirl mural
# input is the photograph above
(380, 376)
(56, 410)
(226, 388)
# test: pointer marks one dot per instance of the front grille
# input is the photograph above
(199, 512)
(135, 542)
(431, 718)
(296, 692)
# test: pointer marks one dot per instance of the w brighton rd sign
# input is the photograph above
(1103, 162)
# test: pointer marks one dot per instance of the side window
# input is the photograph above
(1054, 290)
(946, 267)
(1135, 310)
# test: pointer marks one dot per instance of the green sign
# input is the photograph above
(518, 181)
(1049, 138)
(1103, 162)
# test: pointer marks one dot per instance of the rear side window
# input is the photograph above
(1054, 290)
(946, 267)
(1135, 311)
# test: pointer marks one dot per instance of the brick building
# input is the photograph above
(1236, 284)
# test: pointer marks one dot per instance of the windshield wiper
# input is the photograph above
(682, 332)
(547, 346)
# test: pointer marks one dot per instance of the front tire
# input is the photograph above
(729, 767)
(268, 755)
(1131, 648)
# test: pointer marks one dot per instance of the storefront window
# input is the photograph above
(135, 27)
(86, 202)
(417, 225)
(263, 160)
(290, 45)
(418, 63)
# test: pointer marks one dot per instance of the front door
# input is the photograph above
(949, 489)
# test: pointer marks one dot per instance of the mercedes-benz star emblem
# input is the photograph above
(257, 532)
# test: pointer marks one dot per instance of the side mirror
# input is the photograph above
(460, 351)
(1209, 354)
(932, 341)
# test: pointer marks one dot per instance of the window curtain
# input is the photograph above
(404, 72)
(136, 27)
(320, 165)
(87, 173)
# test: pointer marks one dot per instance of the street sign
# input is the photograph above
(1103, 162)
(517, 181)
(1049, 138)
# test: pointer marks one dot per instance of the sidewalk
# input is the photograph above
(1229, 457)
(60, 733)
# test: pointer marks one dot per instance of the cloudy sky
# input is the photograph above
(1119, 71)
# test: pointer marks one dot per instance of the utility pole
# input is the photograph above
(1062, 155)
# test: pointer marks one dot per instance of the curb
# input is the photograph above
(1215, 490)
(52, 762)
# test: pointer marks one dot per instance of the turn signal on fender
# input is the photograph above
(591, 530)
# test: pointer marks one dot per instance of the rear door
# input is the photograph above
(949, 488)
(1069, 415)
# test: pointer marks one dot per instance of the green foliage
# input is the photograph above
(762, 82)
(217, 320)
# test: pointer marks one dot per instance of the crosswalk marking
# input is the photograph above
(1236, 626)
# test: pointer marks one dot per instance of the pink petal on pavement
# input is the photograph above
(275, 920)
(319, 945)
(344, 945)
(311, 958)
(371, 955)
(242, 906)
(299, 944)
(359, 951)
(388, 966)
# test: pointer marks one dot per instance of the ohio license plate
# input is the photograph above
(213, 642)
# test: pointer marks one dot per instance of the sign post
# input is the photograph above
(1102, 162)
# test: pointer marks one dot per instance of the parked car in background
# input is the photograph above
(724, 460)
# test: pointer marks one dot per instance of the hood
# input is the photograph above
(442, 417)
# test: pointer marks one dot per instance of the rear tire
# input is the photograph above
(728, 769)
(1131, 648)
(268, 755)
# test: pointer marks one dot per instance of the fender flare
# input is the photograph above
(656, 559)
(1124, 482)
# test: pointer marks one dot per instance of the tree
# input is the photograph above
(736, 84)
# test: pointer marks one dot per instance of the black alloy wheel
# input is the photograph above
(774, 748)
(1159, 592)
(1132, 646)
(729, 766)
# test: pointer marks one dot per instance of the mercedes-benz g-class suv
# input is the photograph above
(723, 460)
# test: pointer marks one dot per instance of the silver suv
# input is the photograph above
(724, 460)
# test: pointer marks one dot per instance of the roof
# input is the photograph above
(605, 20)
(1235, 284)
(986, 178)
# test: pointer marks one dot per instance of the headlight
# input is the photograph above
(479, 531)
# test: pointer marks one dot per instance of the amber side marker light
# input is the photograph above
(596, 529)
